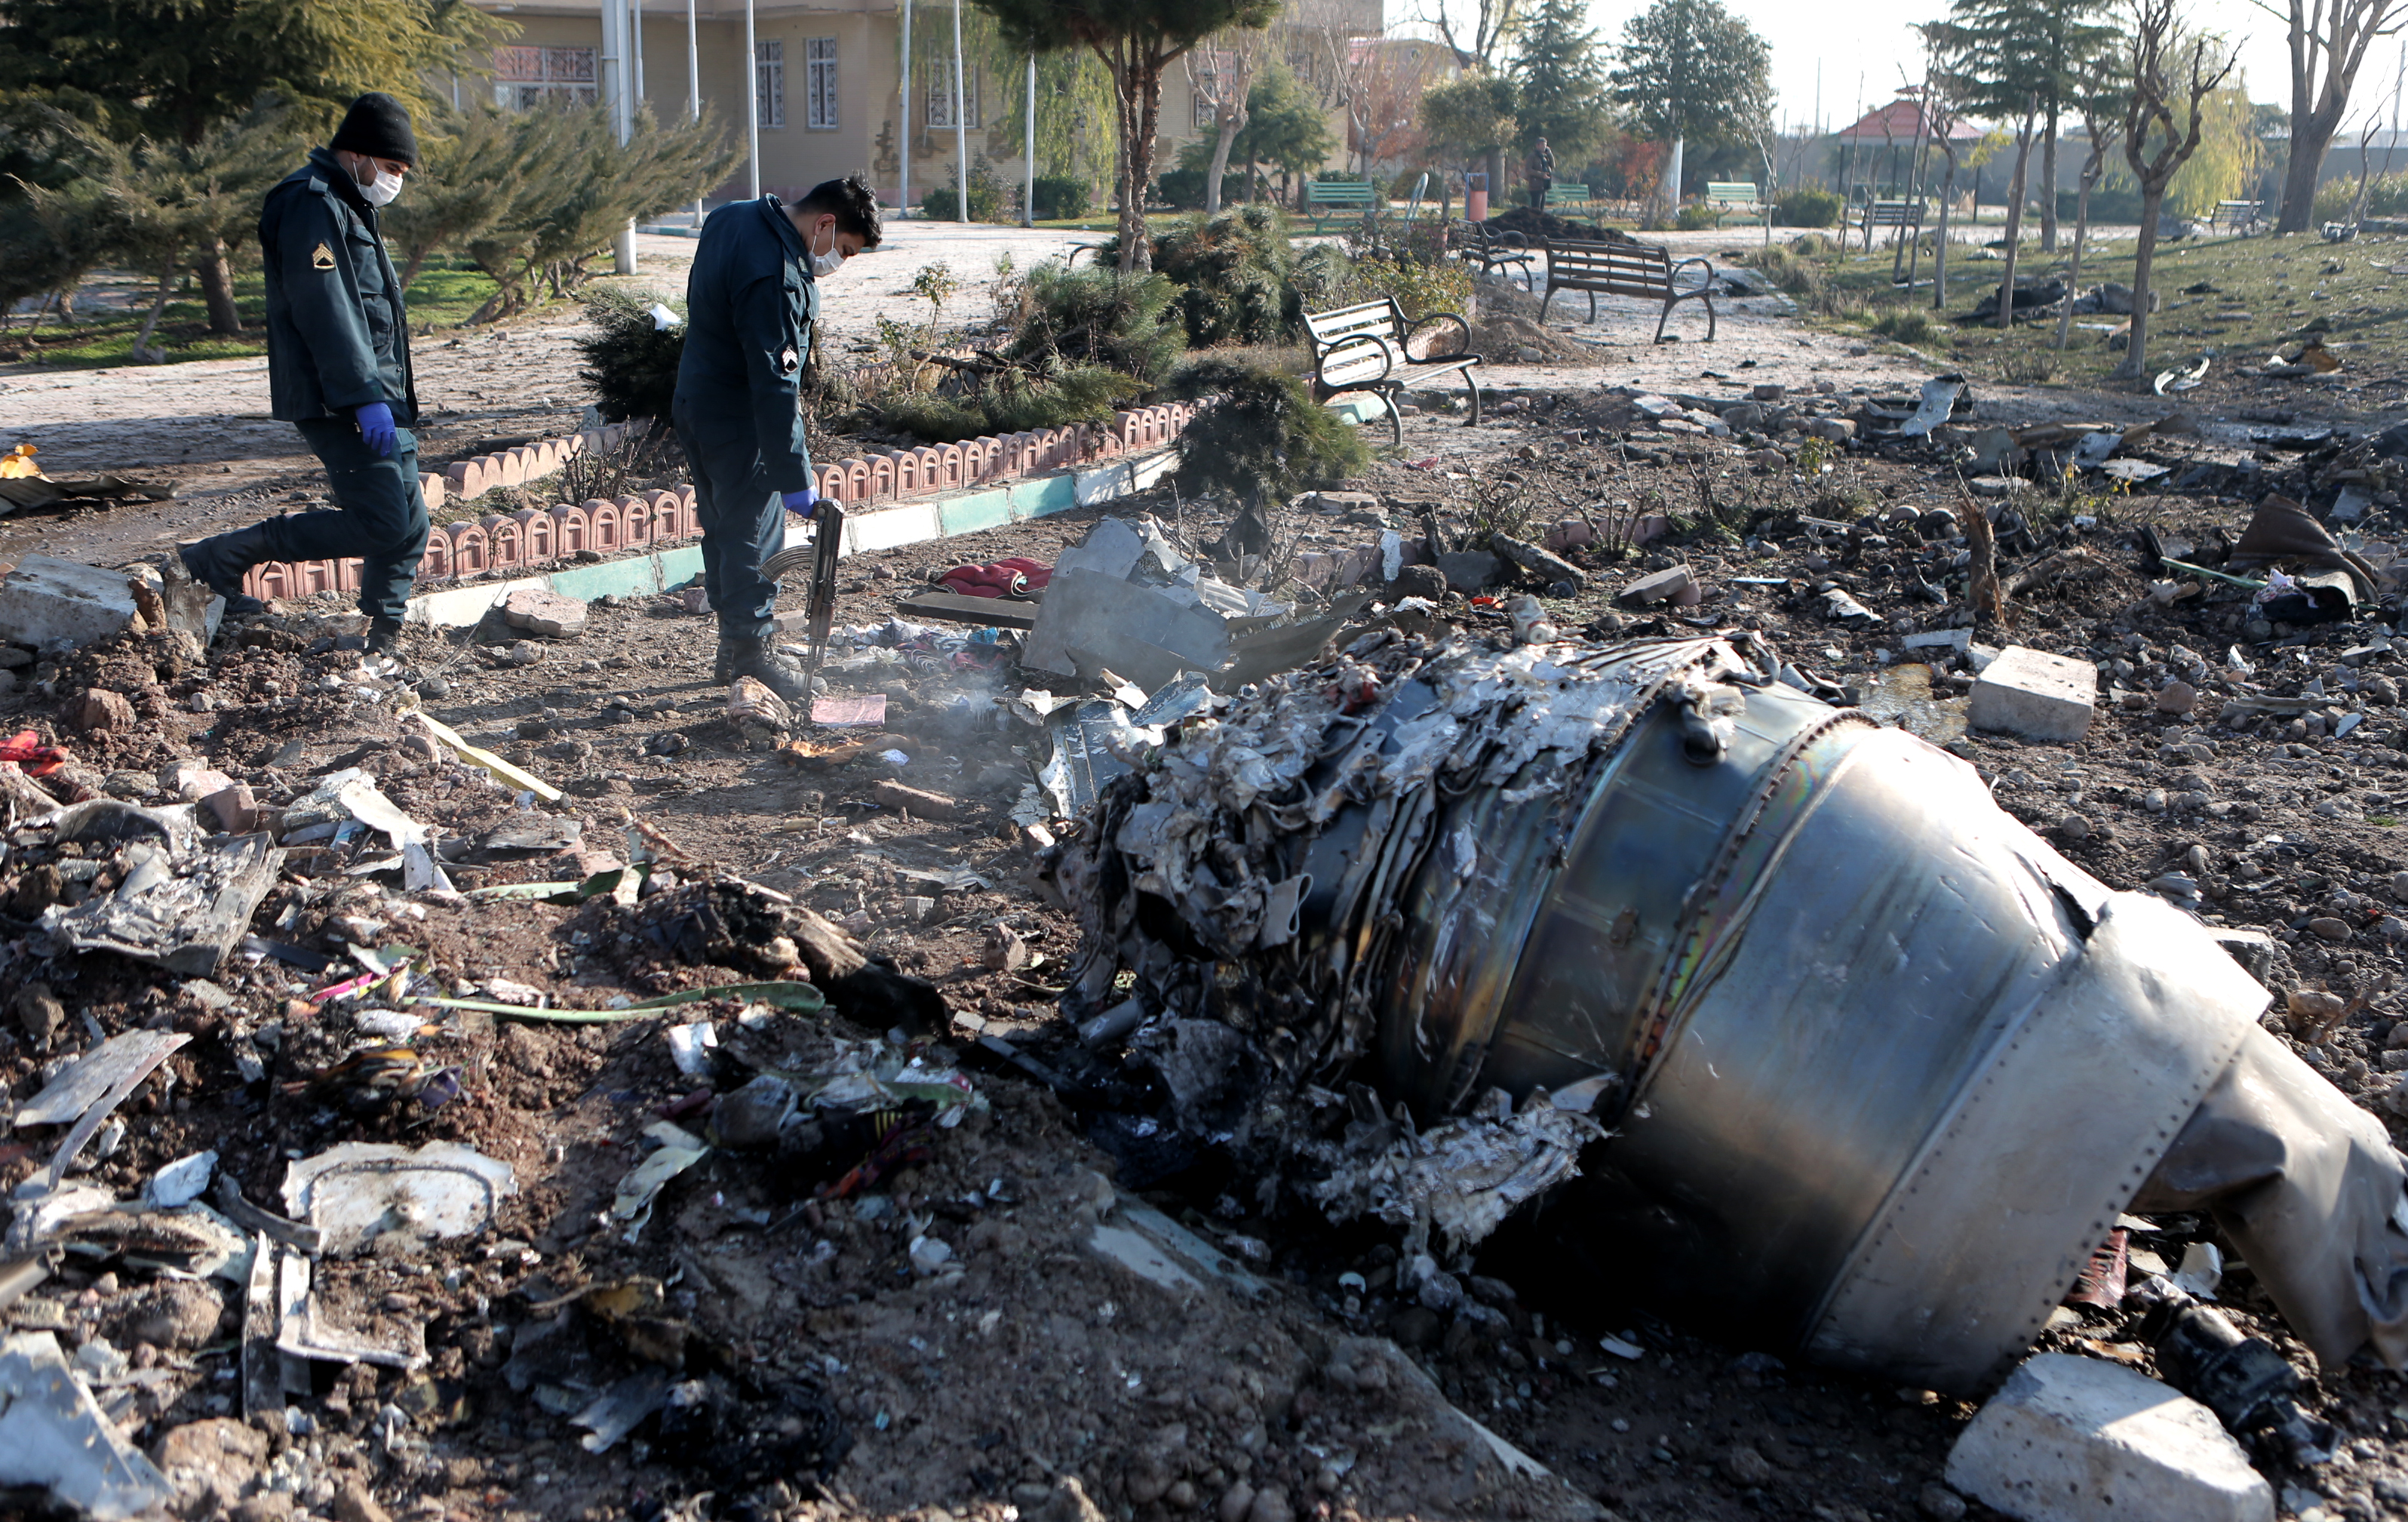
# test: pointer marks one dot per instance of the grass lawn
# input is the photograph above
(445, 292)
(2238, 298)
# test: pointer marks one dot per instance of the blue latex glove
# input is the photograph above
(801, 501)
(376, 428)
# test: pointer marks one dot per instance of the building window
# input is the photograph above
(525, 77)
(769, 63)
(940, 98)
(1217, 66)
(821, 108)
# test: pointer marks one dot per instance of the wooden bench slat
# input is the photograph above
(1365, 349)
(1641, 270)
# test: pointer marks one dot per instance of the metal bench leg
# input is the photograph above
(1592, 308)
(1709, 299)
(1396, 416)
(1543, 301)
(1665, 317)
(1471, 384)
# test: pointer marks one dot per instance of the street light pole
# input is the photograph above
(622, 113)
(903, 177)
(1029, 195)
(751, 107)
(961, 124)
(692, 88)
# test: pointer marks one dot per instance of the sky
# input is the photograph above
(1872, 42)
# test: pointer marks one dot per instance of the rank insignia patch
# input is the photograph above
(322, 257)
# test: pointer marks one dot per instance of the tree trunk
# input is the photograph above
(143, 349)
(1495, 167)
(1149, 111)
(2015, 228)
(2136, 349)
(2048, 188)
(2312, 132)
(217, 288)
(1231, 120)
(2074, 271)
(1939, 250)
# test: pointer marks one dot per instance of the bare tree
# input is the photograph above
(1222, 72)
(2328, 39)
(1382, 98)
(2024, 125)
(2166, 64)
(2104, 132)
(1944, 117)
(1493, 24)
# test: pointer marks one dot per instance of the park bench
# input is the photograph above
(1641, 270)
(1323, 196)
(1572, 195)
(1732, 195)
(1899, 216)
(2236, 215)
(1368, 347)
(1496, 250)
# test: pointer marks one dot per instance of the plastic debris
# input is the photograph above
(181, 1181)
(678, 1150)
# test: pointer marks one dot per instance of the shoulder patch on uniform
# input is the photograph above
(322, 257)
(787, 358)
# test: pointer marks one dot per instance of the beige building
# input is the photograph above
(829, 78)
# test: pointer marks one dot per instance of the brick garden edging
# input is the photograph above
(531, 537)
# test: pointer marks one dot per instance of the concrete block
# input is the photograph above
(2080, 1440)
(1830, 430)
(2033, 694)
(100, 708)
(53, 604)
(1672, 581)
(190, 784)
(544, 612)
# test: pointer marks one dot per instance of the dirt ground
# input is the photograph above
(914, 1309)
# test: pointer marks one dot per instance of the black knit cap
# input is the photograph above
(379, 126)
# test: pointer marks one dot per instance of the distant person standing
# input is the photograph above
(751, 299)
(1542, 173)
(339, 369)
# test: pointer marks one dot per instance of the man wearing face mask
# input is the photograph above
(751, 299)
(339, 368)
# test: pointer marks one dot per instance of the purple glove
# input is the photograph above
(801, 501)
(376, 428)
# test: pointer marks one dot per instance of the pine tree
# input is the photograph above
(2003, 55)
(1561, 83)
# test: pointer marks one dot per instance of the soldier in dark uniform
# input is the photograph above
(751, 299)
(339, 368)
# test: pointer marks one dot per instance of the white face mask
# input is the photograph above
(382, 188)
(824, 264)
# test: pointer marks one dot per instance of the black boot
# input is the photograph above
(754, 656)
(723, 670)
(220, 561)
(384, 636)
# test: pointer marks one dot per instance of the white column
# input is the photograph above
(1672, 178)
(751, 107)
(636, 53)
(1029, 195)
(961, 127)
(903, 178)
(693, 88)
(617, 91)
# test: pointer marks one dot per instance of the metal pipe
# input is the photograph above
(636, 51)
(751, 107)
(1028, 152)
(961, 126)
(622, 111)
(903, 177)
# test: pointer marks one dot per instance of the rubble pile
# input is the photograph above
(526, 1079)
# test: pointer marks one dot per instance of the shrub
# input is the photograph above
(1095, 316)
(631, 363)
(1262, 435)
(1401, 188)
(1808, 207)
(1046, 393)
(1183, 189)
(1907, 324)
(989, 201)
(1419, 290)
(1234, 269)
(1697, 219)
(1060, 197)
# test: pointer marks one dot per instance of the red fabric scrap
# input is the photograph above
(26, 750)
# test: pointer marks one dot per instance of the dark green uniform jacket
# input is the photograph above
(337, 338)
(750, 302)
